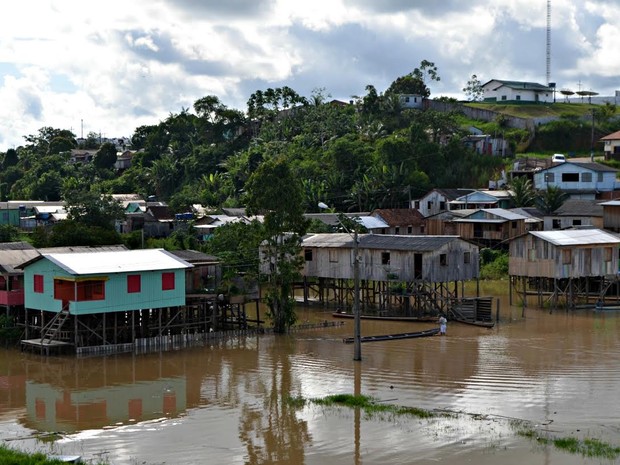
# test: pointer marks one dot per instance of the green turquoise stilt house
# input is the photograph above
(103, 298)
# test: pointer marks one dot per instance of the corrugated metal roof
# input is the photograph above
(83, 249)
(482, 220)
(592, 166)
(577, 237)
(379, 241)
(579, 207)
(370, 222)
(20, 245)
(194, 256)
(11, 258)
(124, 261)
(502, 215)
(520, 85)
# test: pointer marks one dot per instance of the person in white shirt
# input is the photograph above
(443, 323)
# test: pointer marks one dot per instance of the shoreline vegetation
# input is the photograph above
(375, 408)
(17, 457)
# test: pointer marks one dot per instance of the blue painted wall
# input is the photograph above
(116, 296)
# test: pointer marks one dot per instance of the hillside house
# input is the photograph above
(497, 90)
(579, 180)
(491, 226)
(575, 213)
(478, 199)
(611, 147)
(82, 155)
(485, 144)
(9, 214)
(411, 101)
(401, 221)
(124, 159)
(156, 220)
(436, 201)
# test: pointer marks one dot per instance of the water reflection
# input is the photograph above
(227, 403)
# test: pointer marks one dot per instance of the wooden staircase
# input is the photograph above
(52, 330)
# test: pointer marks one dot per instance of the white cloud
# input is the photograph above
(117, 65)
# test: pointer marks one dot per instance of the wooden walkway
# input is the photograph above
(45, 346)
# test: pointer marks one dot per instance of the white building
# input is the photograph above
(579, 180)
(516, 91)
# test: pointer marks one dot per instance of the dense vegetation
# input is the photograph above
(280, 158)
(370, 154)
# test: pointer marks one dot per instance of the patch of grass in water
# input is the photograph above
(586, 447)
(369, 404)
(297, 402)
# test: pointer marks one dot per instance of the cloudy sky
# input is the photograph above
(109, 67)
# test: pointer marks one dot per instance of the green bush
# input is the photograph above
(493, 264)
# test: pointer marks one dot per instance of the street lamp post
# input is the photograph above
(357, 325)
(357, 330)
(592, 139)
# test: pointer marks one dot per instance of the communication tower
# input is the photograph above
(548, 41)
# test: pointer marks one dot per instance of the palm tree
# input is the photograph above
(551, 199)
(522, 192)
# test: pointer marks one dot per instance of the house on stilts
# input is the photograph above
(564, 268)
(98, 302)
(409, 276)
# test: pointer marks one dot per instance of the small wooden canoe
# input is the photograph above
(394, 337)
(483, 324)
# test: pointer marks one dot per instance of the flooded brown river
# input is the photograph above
(226, 403)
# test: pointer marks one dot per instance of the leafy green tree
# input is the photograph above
(416, 81)
(216, 122)
(473, 89)
(10, 159)
(92, 208)
(9, 233)
(275, 192)
(105, 156)
(92, 141)
(61, 144)
(236, 245)
(70, 232)
(41, 143)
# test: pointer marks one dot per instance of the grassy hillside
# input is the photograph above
(536, 110)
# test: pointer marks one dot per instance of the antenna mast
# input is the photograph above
(548, 41)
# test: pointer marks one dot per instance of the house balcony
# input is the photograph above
(11, 298)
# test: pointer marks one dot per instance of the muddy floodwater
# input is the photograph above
(226, 403)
